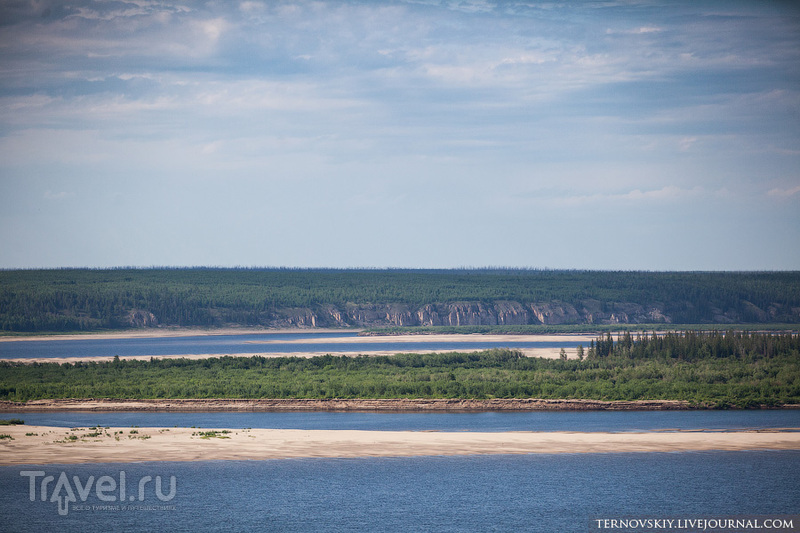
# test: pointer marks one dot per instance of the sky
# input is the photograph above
(613, 135)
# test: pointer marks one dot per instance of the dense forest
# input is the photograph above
(91, 299)
(709, 369)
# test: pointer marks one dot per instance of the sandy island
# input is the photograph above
(366, 342)
(48, 445)
(170, 331)
(340, 404)
(437, 337)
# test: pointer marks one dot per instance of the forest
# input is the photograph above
(710, 369)
(96, 299)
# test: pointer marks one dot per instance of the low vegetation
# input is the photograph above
(714, 369)
(212, 434)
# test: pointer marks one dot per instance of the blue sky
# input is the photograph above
(602, 135)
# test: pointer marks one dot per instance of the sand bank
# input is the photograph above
(47, 445)
(366, 342)
(158, 333)
(381, 405)
(546, 353)
(445, 337)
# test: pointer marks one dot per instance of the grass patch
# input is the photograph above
(212, 434)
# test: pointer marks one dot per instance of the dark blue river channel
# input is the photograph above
(547, 493)
(263, 343)
(613, 421)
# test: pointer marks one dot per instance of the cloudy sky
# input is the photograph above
(660, 135)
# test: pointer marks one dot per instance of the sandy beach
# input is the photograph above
(165, 332)
(365, 341)
(546, 353)
(445, 337)
(49, 445)
(338, 404)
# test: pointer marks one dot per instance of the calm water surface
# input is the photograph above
(615, 421)
(547, 493)
(235, 344)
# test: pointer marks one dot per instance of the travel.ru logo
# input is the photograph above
(106, 489)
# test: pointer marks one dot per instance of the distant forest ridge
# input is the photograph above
(92, 299)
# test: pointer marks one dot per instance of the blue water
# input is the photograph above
(230, 344)
(547, 493)
(613, 421)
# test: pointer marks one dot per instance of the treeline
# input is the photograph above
(707, 369)
(88, 299)
(695, 345)
(540, 329)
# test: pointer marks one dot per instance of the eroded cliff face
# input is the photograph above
(502, 312)
(466, 314)
(137, 318)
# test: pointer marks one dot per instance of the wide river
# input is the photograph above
(540, 492)
(612, 421)
(260, 343)
(560, 493)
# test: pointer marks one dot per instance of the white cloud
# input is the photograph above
(57, 196)
(666, 194)
(599, 105)
(635, 31)
(212, 29)
(686, 143)
(784, 193)
(250, 7)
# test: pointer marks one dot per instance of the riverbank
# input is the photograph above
(386, 405)
(544, 353)
(366, 345)
(176, 331)
(57, 445)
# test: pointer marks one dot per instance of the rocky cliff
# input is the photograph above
(465, 314)
(491, 314)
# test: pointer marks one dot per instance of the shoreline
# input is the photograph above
(367, 342)
(367, 405)
(438, 337)
(190, 331)
(177, 331)
(58, 445)
(544, 353)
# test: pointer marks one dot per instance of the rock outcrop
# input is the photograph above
(137, 318)
(466, 314)
(501, 312)
(481, 313)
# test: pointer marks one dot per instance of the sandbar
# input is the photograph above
(437, 337)
(339, 404)
(365, 341)
(158, 333)
(545, 353)
(56, 445)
